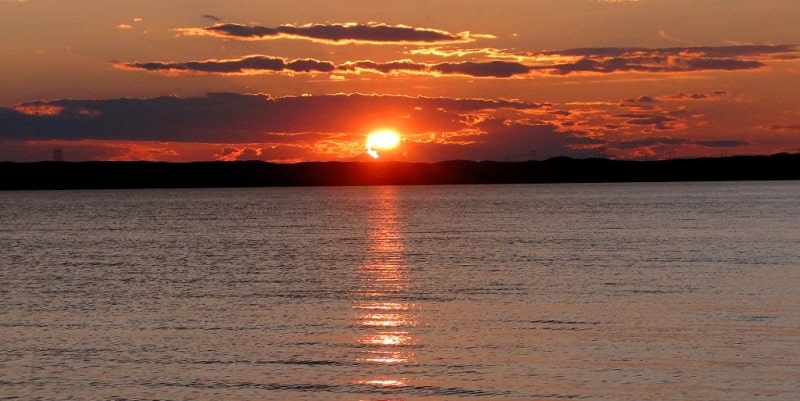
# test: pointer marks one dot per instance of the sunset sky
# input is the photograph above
(290, 81)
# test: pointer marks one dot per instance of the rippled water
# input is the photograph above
(612, 292)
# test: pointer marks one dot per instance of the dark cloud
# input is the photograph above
(233, 118)
(211, 18)
(728, 64)
(518, 141)
(641, 103)
(502, 140)
(667, 143)
(721, 144)
(261, 63)
(650, 65)
(336, 33)
(656, 121)
(499, 69)
(675, 59)
(249, 154)
(647, 142)
(778, 127)
(309, 65)
(387, 67)
(694, 96)
(237, 66)
(695, 51)
(493, 69)
(241, 31)
(715, 95)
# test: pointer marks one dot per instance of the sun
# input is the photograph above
(383, 139)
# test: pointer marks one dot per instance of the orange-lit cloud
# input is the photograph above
(597, 61)
(493, 69)
(38, 109)
(260, 64)
(385, 67)
(337, 34)
(644, 60)
(667, 60)
(227, 126)
(249, 64)
(778, 127)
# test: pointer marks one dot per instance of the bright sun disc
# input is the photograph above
(381, 139)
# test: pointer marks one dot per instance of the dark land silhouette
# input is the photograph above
(99, 175)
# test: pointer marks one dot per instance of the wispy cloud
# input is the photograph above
(663, 34)
(337, 34)
(779, 127)
(246, 65)
(680, 96)
(721, 143)
(493, 69)
(667, 60)
(212, 18)
(385, 67)
(607, 60)
(256, 64)
(649, 142)
(583, 61)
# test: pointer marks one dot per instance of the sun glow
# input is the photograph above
(382, 139)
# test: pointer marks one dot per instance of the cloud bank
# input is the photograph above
(568, 62)
(233, 118)
(228, 126)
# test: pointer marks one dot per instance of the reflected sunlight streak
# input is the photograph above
(379, 308)
(384, 382)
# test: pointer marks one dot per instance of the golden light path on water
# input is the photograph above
(380, 308)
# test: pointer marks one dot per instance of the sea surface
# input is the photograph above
(667, 291)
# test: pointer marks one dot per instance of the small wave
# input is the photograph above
(754, 318)
(571, 322)
(360, 388)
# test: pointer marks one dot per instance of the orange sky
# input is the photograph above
(301, 80)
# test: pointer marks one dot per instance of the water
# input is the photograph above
(607, 292)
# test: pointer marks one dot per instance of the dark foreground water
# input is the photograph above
(608, 292)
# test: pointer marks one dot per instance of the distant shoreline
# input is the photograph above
(108, 175)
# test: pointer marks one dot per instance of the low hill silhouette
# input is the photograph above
(98, 175)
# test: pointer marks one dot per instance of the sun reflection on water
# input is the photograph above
(381, 308)
(385, 382)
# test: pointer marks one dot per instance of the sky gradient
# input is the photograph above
(291, 81)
